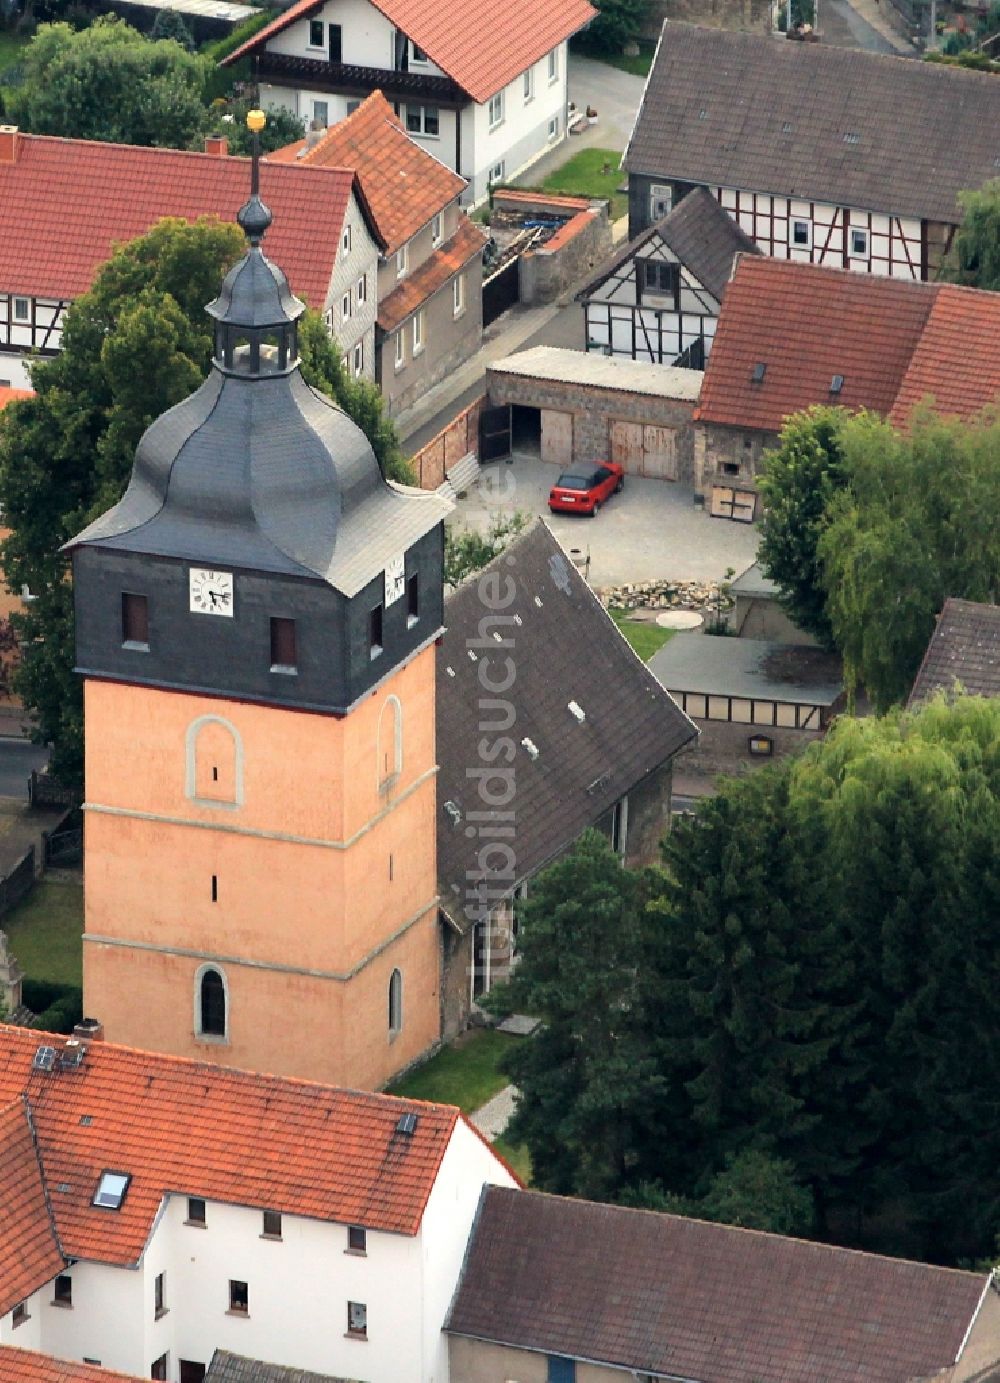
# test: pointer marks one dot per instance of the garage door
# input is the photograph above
(557, 436)
(644, 450)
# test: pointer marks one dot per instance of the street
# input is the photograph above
(17, 759)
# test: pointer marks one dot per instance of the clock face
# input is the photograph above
(211, 592)
(395, 579)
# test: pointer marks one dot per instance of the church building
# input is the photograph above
(256, 621)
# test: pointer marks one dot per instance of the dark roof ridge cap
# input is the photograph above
(795, 1239)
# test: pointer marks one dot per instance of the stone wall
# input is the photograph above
(728, 456)
(752, 16)
(571, 255)
(458, 439)
(722, 747)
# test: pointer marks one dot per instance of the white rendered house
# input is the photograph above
(156, 1209)
(485, 92)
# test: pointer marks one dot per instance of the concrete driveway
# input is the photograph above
(652, 530)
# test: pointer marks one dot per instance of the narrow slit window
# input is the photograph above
(135, 620)
(215, 888)
(284, 653)
(375, 632)
(413, 599)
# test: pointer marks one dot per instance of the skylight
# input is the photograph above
(759, 371)
(111, 1190)
(852, 137)
(836, 384)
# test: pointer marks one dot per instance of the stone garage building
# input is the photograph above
(573, 406)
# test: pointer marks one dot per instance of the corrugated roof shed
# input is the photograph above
(816, 122)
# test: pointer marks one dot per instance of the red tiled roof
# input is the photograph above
(11, 395)
(807, 324)
(568, 230)
(199, 1130)
(64, 203)
(404, 184)
(540, 201)
(29, 1254)
(433, 274)
(681, 1298)
(480, 50)
(25, 1366)
(957, 359)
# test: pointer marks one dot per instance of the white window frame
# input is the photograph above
(495, 111)
(437, 229)
(554, 66)
(806, 244)
(458, 295)
(863, 253)
(660, 195)
(422, 132)
(345, 240)
(403, 260)
(358, 360)
(24, 316)
(400, 357)
(346, 310)
(529, 85)
(325, 118)
(418, 55)
(553, 131)
(496, 173)
(419, 335)
(361, 291)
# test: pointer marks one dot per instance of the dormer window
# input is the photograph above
(111, 1190)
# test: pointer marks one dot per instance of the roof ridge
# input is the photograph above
(49, 1211)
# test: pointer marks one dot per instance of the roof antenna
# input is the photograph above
(254, 217)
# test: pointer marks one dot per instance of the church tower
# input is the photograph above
(255, 628)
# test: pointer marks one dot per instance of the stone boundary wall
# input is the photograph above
(460, 437)
(572, 253)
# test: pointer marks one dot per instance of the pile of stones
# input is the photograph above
(663, 595)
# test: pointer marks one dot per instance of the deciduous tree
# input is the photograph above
(975, 257)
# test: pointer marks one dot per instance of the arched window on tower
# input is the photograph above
(390, 743)
(211, 1003)
(395, 1003)
(214, 762)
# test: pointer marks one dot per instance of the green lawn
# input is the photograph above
(645, 637)
(518, 1157)
(45, 932)
(465, 1073)
(591, 173)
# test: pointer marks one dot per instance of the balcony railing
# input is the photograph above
(285, 69)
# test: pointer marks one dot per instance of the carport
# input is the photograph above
(577, 406)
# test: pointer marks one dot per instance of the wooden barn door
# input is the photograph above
(626, 446)
(659, 456)
(557, 436)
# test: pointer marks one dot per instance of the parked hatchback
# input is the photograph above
(584, 490)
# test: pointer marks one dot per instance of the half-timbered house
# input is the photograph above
(823, 155)
(324, 233)
(657, 298)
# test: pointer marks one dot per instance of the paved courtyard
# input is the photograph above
(652, 530)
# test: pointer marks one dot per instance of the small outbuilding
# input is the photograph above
(757, 612)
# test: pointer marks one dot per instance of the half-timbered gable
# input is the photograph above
(657, 299)
(324, 232)
(823, 155)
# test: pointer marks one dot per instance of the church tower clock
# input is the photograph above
(255, 629)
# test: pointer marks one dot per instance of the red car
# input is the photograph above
(584, 490)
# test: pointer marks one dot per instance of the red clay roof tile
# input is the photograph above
(404, 184)
(64, 204)
(11, 395)
(25, 1366)
(200, 1130)
(433, 274)
(807, 324)
(957, 359)
(481, 51)
(29, 1253)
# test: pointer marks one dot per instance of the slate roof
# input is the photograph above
(25, 1366)
(740, 110)
(189, 1128)
(565, 648)
(406, 186)
(964, 649)
(704, 1302)
(65, 204)
(749, 668)
(482, 58)
(957, 359)
(465, 245)
(236, 1368)
(704, 238)
(807, 324)
(29, 1252)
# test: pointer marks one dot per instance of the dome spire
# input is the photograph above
(254, 216)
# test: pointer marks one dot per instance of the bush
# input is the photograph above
(58, 1007)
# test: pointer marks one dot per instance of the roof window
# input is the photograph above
(836, 384)
(576, 711)
(852, 137)
(111, 1190)
(407, 1123)
(758, 373)
(531, 747)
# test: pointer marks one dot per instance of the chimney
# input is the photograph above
(10, 142)
(217, 144)
(89, 1030)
